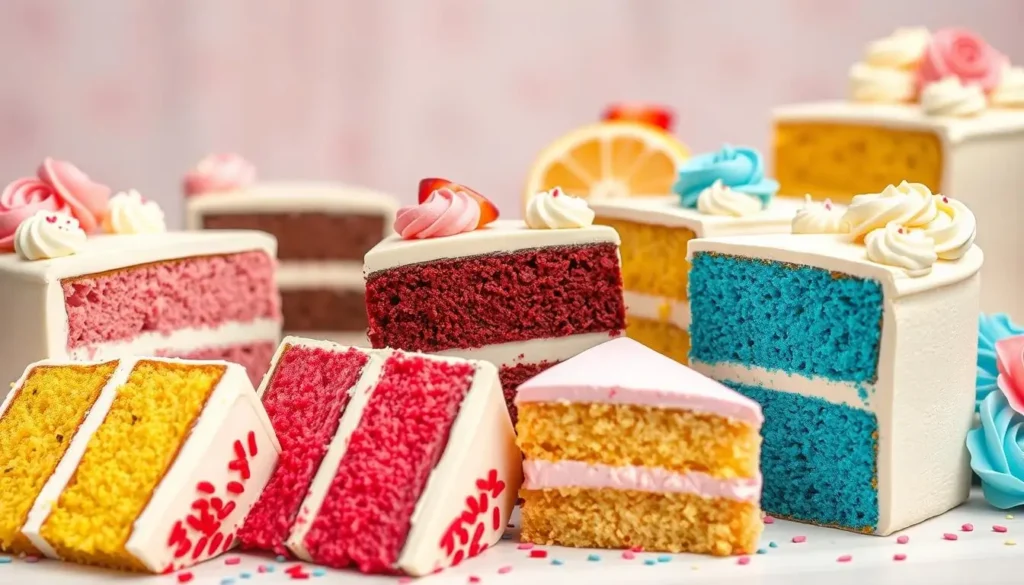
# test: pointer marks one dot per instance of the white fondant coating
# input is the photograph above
(666, 211)
(980, 167)
(501, 236)
(650, 307)
(923, 397)
(33, 299)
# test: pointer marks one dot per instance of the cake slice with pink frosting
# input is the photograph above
(625, 447)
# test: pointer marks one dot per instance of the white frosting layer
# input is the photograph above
(183, 340)
(650, 307)
(291, 198)
(128, 213)
(820, 218)
(1010, 91)
(501, 236)
(331, 274)
(553, 210)
(533, 351)
(666, 211)
(949, 97)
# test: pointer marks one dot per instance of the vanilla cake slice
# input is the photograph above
(625, 447)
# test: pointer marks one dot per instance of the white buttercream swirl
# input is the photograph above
(949, 97)
(819, 218)
(899, 246)
(721, 200)
(885, 85)
(953, 230)
(909, 204)
(129, 213)
(48, 235)
(553, 210)
(1010, 91)
(903, 49)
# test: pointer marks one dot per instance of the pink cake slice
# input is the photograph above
(398, 462)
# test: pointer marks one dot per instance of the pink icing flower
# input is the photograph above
(962, 54)
(86, 198)
(219, 172)
(443, 213)
(1010, 356)
(21, 200)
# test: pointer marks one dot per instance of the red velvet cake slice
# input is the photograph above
(521, 295)
(392, 462)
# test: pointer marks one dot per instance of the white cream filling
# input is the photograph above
(182, 341)
(327, 274)
(645, 306)
(532, 351)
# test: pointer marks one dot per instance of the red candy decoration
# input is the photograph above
(456, 540)
(205, 487)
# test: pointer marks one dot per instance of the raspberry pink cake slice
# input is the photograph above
(391, 461)
(521, 295)
(203, 295)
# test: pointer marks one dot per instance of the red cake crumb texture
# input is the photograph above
(512, 376)
(255, 357)
(482, 300)
(305, 400)
(203, 291)
(365, 517)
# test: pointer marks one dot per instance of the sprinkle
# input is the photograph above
(245, 575)
(505, 569)
(538, 554)
(769, 520)
(227, 581)
(185, 577)
(474, 579)
(649, 562)
(31, 559)
(844, 558)
(967, 527)
(664, 559)
(556, 562)
(319, 572)
(404, 580)
(280, 558)
(636, 549)
(232, 560)
(949, 536)
(629, 555)
(525, 545)
(743, 561)
(902, 539)
(1009, 516)
(1009, 543)
(998, 528)
(799, 539)
(593, 557)
(5, 560)
(762, 551)
(261, 569)
(899, 557)
(269, 568)
(773, 544)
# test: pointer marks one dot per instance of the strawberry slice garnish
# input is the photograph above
(488, 211)
(654, 115)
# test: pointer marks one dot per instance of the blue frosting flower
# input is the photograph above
(997, 452)
(740, 168)
(991, 328)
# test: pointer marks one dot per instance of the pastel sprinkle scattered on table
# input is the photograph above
(769, 520)
(269, 568)
(474, 579)
(649, 562)
(799, 539)
(593, 557)
(949, 536)
(967, 527)
(232, 560)
(902, 539)
(5, 560)
(762, 551)
(261, 569)
(664, 559)
(899, 557)
(227, 581)
(538, 554)
(246, 575)
(31, 559)
(1009, 516)
(280, 558)
(636, 549)
(525, 546)
(504, 570)
(319, 572)
(773, 544)
(404, 580)
(1010, 543)
(743, 561)
(998, 528)
(844, 558)
(184, 577)
(628, 555)
(557, 562)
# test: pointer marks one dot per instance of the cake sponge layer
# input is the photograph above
(605, 518)
(35, 431)
(125, 460)
(623, 435)
(664, 338)
(653, 257)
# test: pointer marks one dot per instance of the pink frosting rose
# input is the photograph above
(219, 172)
(86, 199)
(443, 213)
(962, 54)
(1010, 361)
(21, 200)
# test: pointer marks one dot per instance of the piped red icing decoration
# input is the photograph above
(199, 533)
(488, 211)
(650, 114)
(20, 200)
(1010, 354)
(444, 213)
(462, 539)
(962, 54)
(219, 172)
(86, 199)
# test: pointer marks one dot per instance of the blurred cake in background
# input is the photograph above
(942, 108)
(716, 194)
(322, 230)
(133, 290)
(523, 295)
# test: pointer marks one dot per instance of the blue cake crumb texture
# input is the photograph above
(818, 459)
(797, 319)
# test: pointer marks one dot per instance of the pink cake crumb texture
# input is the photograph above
(255, 357)
(366, 515)
(471, 302)
(305, 400)
(512, 376)
(202, 291)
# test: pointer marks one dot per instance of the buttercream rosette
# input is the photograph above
(218, 172)
(556, 210)
(740, 169)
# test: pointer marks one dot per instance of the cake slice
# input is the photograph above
(393, 462)
(141, 464)
(625, 447)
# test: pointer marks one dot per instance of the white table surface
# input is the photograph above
(979, 556)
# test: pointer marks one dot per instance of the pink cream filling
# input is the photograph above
(541, 475)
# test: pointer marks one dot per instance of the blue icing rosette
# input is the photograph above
(991, 328)
(997, 452)
(738, 167)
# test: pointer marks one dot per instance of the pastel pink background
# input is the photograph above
(384, 92)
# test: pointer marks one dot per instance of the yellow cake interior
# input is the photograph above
(35, 431)
(661, 336)
(841, 160)
(126, 459)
